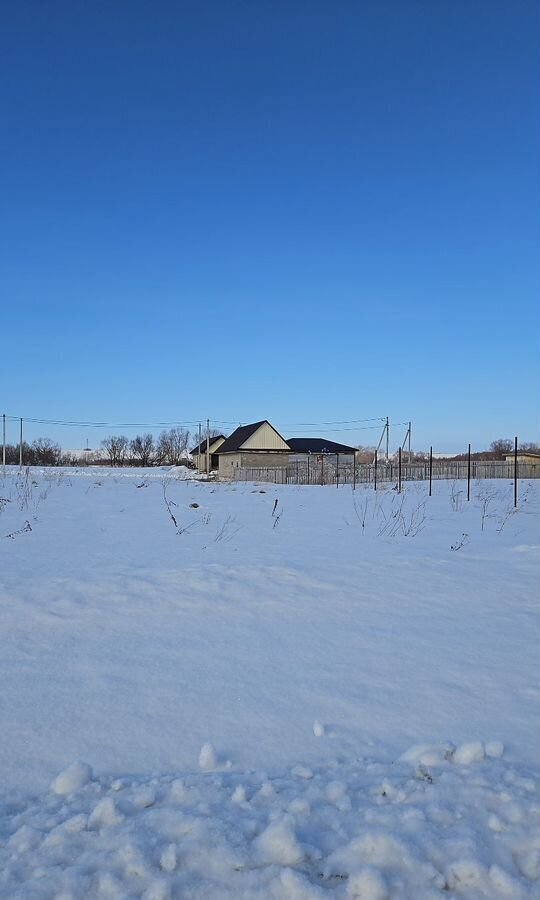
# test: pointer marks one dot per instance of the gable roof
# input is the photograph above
(201, 448)
(318, 445)
(241, 435)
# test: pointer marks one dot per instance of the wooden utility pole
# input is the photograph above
(199, 468)
(409, 443)
(387, 437)
(20, 447)
(4, 444)
(208, 446)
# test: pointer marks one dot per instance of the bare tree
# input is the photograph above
(45, 452)
(172, 446)
(501, 447)
(116, 447)
(142, 449)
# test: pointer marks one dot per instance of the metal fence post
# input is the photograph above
(469, 473)
(515, 474)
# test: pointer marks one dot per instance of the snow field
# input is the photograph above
(279, 662)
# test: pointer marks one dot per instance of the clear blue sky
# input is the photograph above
(289, 209)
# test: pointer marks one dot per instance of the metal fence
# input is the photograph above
(321, 471)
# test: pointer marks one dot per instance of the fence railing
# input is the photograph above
(325, 473)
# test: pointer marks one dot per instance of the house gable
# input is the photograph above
(215, 444)
(257, 436)
(265, 438)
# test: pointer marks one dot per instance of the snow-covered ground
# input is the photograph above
(283, 692)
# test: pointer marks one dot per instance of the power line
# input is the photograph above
(347, 424)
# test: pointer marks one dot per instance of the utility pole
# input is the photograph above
(199, 467)
(409, 443)
(208, 446)
(20, 447)
(4, 445)
(387, 437)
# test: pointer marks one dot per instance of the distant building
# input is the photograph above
(199, 453)
(252, 446)
(526, 457)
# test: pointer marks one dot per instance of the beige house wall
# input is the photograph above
(230, 461)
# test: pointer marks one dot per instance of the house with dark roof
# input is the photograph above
(252, 446)
(198, 453)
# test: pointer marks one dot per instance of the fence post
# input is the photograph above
(515, 474)
(399, 471)
(375, 472)
(469, 473)
(322, 470)
(354, 472)
(337, 470)
(430, 468)
(308, 468)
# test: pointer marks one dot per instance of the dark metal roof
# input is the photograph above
(238, 437)
(318, 445)
(201, 448)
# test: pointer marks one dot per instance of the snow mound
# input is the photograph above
(72, 779)
(366, 830)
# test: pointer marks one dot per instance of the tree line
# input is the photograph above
(170, 448)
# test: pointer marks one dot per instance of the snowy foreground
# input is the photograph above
(334, 695)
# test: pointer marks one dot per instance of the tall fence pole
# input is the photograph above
(20, 446)
(375, 472)
(399, 471)
(430, 468)
(469, 473)
(4, 444)
(515, 474)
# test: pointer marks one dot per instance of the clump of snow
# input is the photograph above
(367, 884)
(318, 729)
(208, 759)
(73, 778)
(469, 752)
(494, 749)
(104, 814)
(169, 858)
(278, 844)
